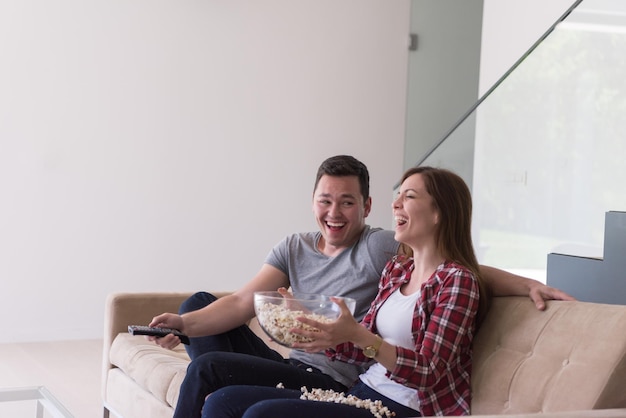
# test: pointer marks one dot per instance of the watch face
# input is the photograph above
(369, 351)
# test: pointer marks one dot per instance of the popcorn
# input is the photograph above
(278, 322)
(375, 407)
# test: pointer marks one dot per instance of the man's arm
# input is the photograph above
(224, 314)
(503, 283)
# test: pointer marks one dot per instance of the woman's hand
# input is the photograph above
(327, 335)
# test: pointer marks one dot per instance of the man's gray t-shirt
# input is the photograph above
(355, 273)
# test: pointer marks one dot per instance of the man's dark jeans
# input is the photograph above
(237, 357)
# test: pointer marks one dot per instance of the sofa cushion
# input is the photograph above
(158, 370)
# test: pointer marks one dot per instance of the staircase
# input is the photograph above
(601, 280)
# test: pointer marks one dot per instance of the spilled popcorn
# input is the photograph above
(375, 407)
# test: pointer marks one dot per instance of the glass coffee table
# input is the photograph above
(22, 402)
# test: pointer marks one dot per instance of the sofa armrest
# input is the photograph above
(123, 309)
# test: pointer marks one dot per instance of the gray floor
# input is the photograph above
(70, 370)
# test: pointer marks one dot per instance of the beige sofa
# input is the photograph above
(568, 361)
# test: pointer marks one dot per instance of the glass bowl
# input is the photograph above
(277, 314)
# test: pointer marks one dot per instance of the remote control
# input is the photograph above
(157, 332)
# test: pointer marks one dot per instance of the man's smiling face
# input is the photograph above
(340, 212)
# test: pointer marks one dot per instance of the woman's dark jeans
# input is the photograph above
(236, 357)
(265, 402)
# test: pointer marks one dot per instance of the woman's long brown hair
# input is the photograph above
(453, 201)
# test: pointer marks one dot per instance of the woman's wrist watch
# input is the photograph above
(371, 350)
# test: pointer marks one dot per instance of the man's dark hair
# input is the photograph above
(343, 166)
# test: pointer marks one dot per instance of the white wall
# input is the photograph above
(155, 145)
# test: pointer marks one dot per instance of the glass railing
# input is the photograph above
(549, 144)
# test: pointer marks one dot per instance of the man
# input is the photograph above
(345, 258)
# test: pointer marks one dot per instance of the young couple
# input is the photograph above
(416, 334)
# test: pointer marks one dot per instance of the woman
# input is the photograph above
(418, 331)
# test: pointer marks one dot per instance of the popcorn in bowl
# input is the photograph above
(277, 314)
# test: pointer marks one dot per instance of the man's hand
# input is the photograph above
(168, 342)
(539, 293)
(167, 320)
(503, 283)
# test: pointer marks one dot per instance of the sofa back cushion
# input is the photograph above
(571, 356)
